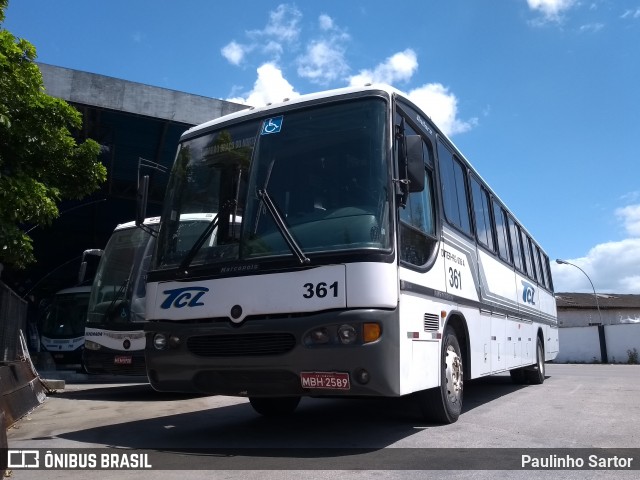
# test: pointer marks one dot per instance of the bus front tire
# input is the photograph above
(443, 404)
(274, 406)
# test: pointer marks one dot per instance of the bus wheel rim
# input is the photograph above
(453, 375)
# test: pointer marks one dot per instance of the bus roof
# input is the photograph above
(132, 224)
(156, 220)
(71, 290)
(294, 101)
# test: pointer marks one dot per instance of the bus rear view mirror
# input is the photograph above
(141, 200)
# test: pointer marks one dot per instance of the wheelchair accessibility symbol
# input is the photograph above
(272, 125)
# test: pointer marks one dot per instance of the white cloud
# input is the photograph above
(551, 9)
(630, 216)
(399, 67)
(613, 267)
(281, 29)
(323, 62)
(435, 99)
(324, 59)
(442, 106)
(233, 52)
(591, 27)
(269, 87)
(283, 25)
(326, 22)
(631, 13)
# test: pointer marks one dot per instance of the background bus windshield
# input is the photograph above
(117, 295)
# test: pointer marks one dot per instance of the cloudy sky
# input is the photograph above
(540, 95)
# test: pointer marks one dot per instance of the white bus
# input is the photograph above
(371, 259)
(114, 339)
(61, 328)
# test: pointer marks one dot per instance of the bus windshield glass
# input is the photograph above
(323, 168)
(66, 316)
(118, 292)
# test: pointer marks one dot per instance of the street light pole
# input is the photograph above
(564, 262)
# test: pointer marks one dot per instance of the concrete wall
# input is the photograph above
(582, 344)
(124, 96)
(621, 338)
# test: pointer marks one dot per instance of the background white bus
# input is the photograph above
(61, 327)
(358, 254)
(114, 337)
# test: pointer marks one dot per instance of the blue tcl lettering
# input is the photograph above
(183, 297)
(528, 293)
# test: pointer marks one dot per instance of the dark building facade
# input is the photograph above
(130, 121)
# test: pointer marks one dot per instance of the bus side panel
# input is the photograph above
(499, 298)
(498, 283)
(419, 349)
(460, 266)
(420, 324)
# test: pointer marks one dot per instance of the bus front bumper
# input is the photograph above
(276, 356)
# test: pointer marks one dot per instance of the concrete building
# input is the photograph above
(131, 121)
(581, 309)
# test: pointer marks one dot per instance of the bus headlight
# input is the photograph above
(160, 341)
(89, 345)
(319, 336)
(347, 334)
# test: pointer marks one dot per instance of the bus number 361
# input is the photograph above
(320, 290)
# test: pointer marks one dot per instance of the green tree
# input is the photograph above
(41, 163)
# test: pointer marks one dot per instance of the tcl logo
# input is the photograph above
(183, 297)
(528, 294)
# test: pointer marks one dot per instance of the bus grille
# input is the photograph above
(431, 322)
(242, 345)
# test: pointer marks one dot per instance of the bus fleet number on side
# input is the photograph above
(320, 290)
(455, 278)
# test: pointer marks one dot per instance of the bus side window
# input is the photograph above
(417, 219)
(501, 232)
(531, 259)
(454, 191)
(482, 213)
(516, 244)
(541, 275)
(547, 272)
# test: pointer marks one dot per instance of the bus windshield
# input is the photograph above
(323, 168)
(118, 292)
(66, 315)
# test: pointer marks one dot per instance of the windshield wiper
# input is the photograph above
(284, 230)
(203, 236)
(116, 297)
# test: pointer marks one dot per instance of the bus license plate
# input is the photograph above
(122, 360)
(325, 380)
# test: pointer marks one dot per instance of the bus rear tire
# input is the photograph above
(274, 406)
(443, 404)
(535, 374)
